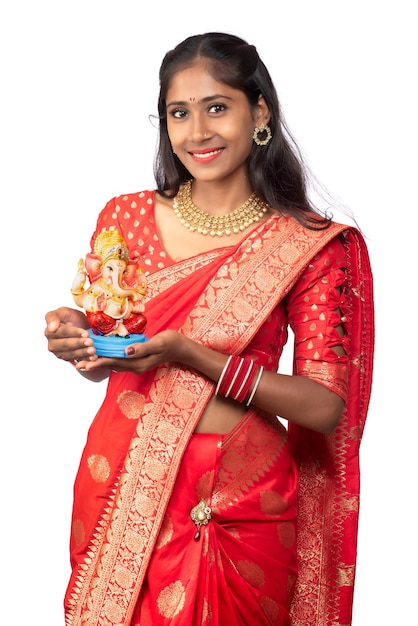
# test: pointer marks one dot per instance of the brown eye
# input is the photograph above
(178, 114)
(217, 108)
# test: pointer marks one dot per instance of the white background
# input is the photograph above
(78, 82)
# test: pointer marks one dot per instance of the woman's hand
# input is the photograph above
(67, 336)
(141, 357)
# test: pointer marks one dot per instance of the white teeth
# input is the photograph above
(205, 155)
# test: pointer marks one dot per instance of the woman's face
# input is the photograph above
(210, 125)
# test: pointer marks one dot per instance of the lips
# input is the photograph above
(209, 154)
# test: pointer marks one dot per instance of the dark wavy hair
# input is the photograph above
(276, 171)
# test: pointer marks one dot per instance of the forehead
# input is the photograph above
(196, 82)
(114, 262)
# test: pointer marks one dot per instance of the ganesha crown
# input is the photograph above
(110, 244)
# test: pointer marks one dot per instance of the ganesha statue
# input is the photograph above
(113, 299)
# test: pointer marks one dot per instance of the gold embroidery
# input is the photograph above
(206, 612)
(99, 468)
(171, 600)
(123, 577)
(252, 573)
(204, 485)
(134, 542)
(312, 487)
(233, 532)
(270, 608)
(145, 504)
(334, 376)
(240, 467)
(166, 532)
(154, 468)
(242, 312)
(350, 505)
(287, 534)
(113, 612)
(79, 534)
(345, 575)
(167, 433)
(183, 398)
(131, 404)
(272, 503)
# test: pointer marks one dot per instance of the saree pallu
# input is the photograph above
(146, 423)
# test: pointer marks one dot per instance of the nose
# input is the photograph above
(199, 129)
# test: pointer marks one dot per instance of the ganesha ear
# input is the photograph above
(130, 272)
(93, 264)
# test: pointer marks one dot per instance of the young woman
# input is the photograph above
(193, 504)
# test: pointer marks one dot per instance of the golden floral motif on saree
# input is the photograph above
(205, 484)
(134, 542)
(154, 468)
(167, 433)
(123, 577)
(270, 608)
(171, 599)
(252, 573)
(131, 403)
(112, 612)
(78, 531)
(286, 532)
(99, 468)
(271, 502)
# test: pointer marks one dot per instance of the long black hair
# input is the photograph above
(276, 171)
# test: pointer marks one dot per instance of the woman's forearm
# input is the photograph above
(297, 399)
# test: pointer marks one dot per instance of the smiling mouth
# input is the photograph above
(206, 154)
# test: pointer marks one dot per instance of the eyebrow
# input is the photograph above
(203, 100)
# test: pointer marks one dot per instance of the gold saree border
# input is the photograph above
(330, 473)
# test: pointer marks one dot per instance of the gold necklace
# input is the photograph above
(196, 220)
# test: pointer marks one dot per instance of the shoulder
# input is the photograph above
(132, 200)
(312, 231)
(124, 212)
(126, 205)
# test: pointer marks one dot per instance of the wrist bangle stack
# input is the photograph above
(239, 379)
(256, 383)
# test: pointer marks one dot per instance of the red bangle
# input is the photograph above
(237, 378)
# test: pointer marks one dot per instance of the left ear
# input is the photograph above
(261, 111)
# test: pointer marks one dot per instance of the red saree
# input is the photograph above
(142, 467)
